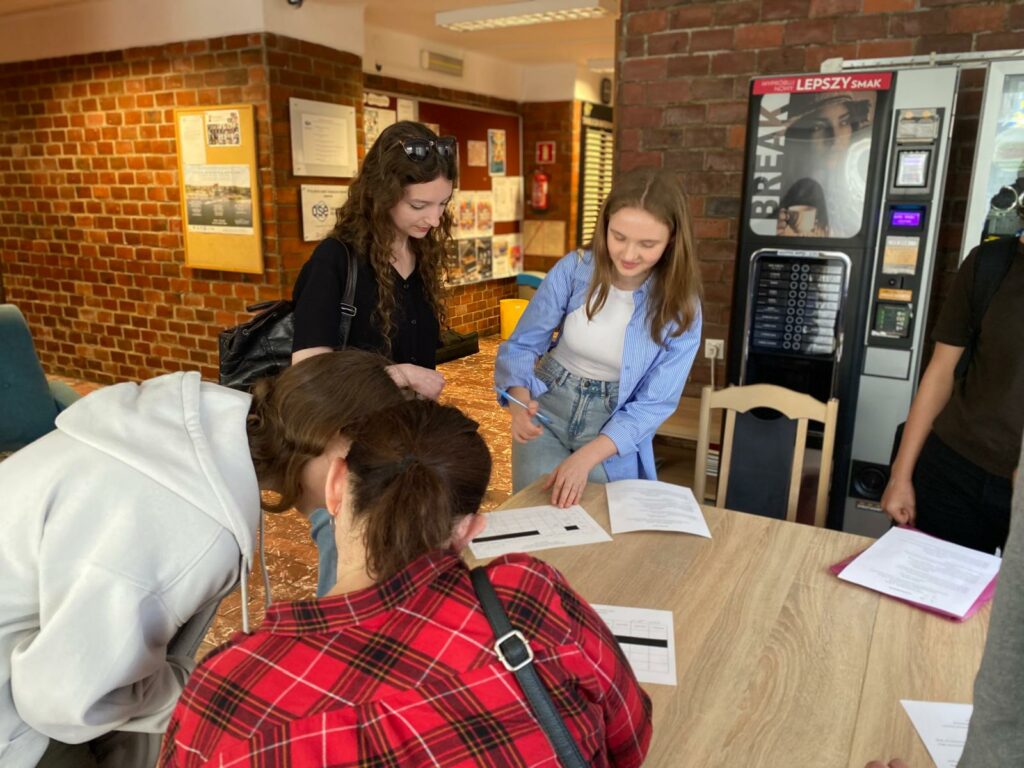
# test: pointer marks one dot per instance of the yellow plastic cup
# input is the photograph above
(511, 310)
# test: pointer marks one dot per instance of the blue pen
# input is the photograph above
(540, 416)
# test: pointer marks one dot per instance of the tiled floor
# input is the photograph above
(291, 556)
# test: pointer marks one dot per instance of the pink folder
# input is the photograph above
(984, 597)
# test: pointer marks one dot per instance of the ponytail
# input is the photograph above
(416, 469)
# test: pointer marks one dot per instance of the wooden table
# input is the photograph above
(778, 662)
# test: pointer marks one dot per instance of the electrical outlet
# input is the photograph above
(714, 349)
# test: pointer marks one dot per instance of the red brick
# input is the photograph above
(917, 24)
(784, 9)
(668, 43)
(646, 22)
(810, 31)
(682, 66)
(734, 63)
(888, 6)
(835, 7)
(732, 13)
(760, 36)
(978, 18)
(711, 40)
(881, 49)
(692, 16)
(644, 69)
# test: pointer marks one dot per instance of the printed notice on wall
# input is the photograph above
(192, 145)
(508, 198)
(218, 198)
(323, 139)
(320, 204)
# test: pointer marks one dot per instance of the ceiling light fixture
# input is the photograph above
(521, 14)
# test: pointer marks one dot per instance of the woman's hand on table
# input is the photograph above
(569, 479)
(898, 501)
(423, 381)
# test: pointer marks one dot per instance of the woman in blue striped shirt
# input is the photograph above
(628, 316)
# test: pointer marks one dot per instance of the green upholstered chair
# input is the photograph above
(28, 403)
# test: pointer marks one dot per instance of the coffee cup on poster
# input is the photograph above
(802, 219)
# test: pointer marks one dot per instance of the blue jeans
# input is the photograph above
(322, 533)
(578, 408)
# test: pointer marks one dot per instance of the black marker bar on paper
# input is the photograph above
(647, 641)
(503, 536)
(571, 527)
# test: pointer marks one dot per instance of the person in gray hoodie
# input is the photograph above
(136, 514)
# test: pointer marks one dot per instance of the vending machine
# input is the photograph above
(842, 195)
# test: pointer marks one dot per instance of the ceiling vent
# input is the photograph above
(441, 62)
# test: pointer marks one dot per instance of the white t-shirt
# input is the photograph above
(592, 349)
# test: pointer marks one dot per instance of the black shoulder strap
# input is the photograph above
(517, 656)
(348, 300)
(990, 267)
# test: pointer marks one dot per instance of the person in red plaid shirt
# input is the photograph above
(396, 665)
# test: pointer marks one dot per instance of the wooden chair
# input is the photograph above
(793, 405)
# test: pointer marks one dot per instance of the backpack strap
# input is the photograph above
(990, 267)
(348, 299)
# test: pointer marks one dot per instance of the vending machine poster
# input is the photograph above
(813, 144)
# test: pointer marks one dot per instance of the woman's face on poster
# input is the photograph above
(830, 130)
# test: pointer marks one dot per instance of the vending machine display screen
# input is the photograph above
(906, 218)
(912, 168)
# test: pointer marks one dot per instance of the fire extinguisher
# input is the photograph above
(539, 191)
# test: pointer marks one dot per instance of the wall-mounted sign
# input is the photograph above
(219, 186)
(545, 153)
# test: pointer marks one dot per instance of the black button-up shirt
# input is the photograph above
(317, 296)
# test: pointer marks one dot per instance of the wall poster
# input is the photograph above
(323, 139)
(497, 152)
(810, 166)
(218, 181)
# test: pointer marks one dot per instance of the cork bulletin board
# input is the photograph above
(219, 186)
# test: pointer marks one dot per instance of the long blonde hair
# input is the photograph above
(675, 290)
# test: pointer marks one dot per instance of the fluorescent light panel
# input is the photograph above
(522, 14)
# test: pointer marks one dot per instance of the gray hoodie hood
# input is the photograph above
(202, 453)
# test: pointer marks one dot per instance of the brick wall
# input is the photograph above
(557, 121)
(90, 221)
(91, 246)
(683, 82)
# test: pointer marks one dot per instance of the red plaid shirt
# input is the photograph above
(404, 674)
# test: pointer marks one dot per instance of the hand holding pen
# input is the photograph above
(524, 429)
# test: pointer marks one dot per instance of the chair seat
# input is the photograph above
(28, 406)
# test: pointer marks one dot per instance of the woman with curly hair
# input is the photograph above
(395, 222)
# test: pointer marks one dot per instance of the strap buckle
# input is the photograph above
(348, 309)
(518, 649)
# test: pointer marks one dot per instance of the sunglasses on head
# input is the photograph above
(419, 149)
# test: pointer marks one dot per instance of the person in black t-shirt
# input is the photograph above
(951, 476)
(396, 221)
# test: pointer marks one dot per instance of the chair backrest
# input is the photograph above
(793, 405)
(27, 407)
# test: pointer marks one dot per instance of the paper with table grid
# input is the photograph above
(533, 528)
(648, 639)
